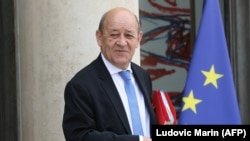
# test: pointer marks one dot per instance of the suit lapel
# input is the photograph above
(141, 84)
(111, 91)
(146, 93)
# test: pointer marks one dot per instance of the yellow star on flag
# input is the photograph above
(190, 102)
(211, 77)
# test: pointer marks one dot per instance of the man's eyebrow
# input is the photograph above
(112, 30)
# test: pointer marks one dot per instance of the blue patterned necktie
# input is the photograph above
(133, 104)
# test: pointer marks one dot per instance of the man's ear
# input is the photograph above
(98, 35)
(140, 36)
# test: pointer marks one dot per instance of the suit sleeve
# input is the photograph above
(79, 122)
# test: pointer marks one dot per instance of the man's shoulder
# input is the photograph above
(91, 71)
(138, 68)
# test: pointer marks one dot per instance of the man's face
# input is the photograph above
(119, 38)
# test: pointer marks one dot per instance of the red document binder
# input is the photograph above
(164, 108)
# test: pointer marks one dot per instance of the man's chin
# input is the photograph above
(122, 64)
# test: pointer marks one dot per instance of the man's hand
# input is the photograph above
(147, 139)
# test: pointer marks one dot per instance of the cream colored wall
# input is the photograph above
(55, 38)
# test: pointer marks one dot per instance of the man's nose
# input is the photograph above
(122, 40)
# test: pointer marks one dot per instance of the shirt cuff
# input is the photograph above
(140, 138)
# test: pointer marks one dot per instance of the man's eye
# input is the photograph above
(129, 36)
(114, 35)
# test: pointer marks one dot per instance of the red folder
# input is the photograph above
(164, 108)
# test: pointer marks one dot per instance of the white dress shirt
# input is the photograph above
(119, 83)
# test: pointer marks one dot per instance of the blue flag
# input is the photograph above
(209, 95)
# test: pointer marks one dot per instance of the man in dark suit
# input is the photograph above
(96, 107)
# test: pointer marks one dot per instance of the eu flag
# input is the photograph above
(209, 95)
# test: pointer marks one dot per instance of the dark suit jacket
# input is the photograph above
(93, 108)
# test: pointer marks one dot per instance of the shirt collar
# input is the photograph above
(111, 68)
